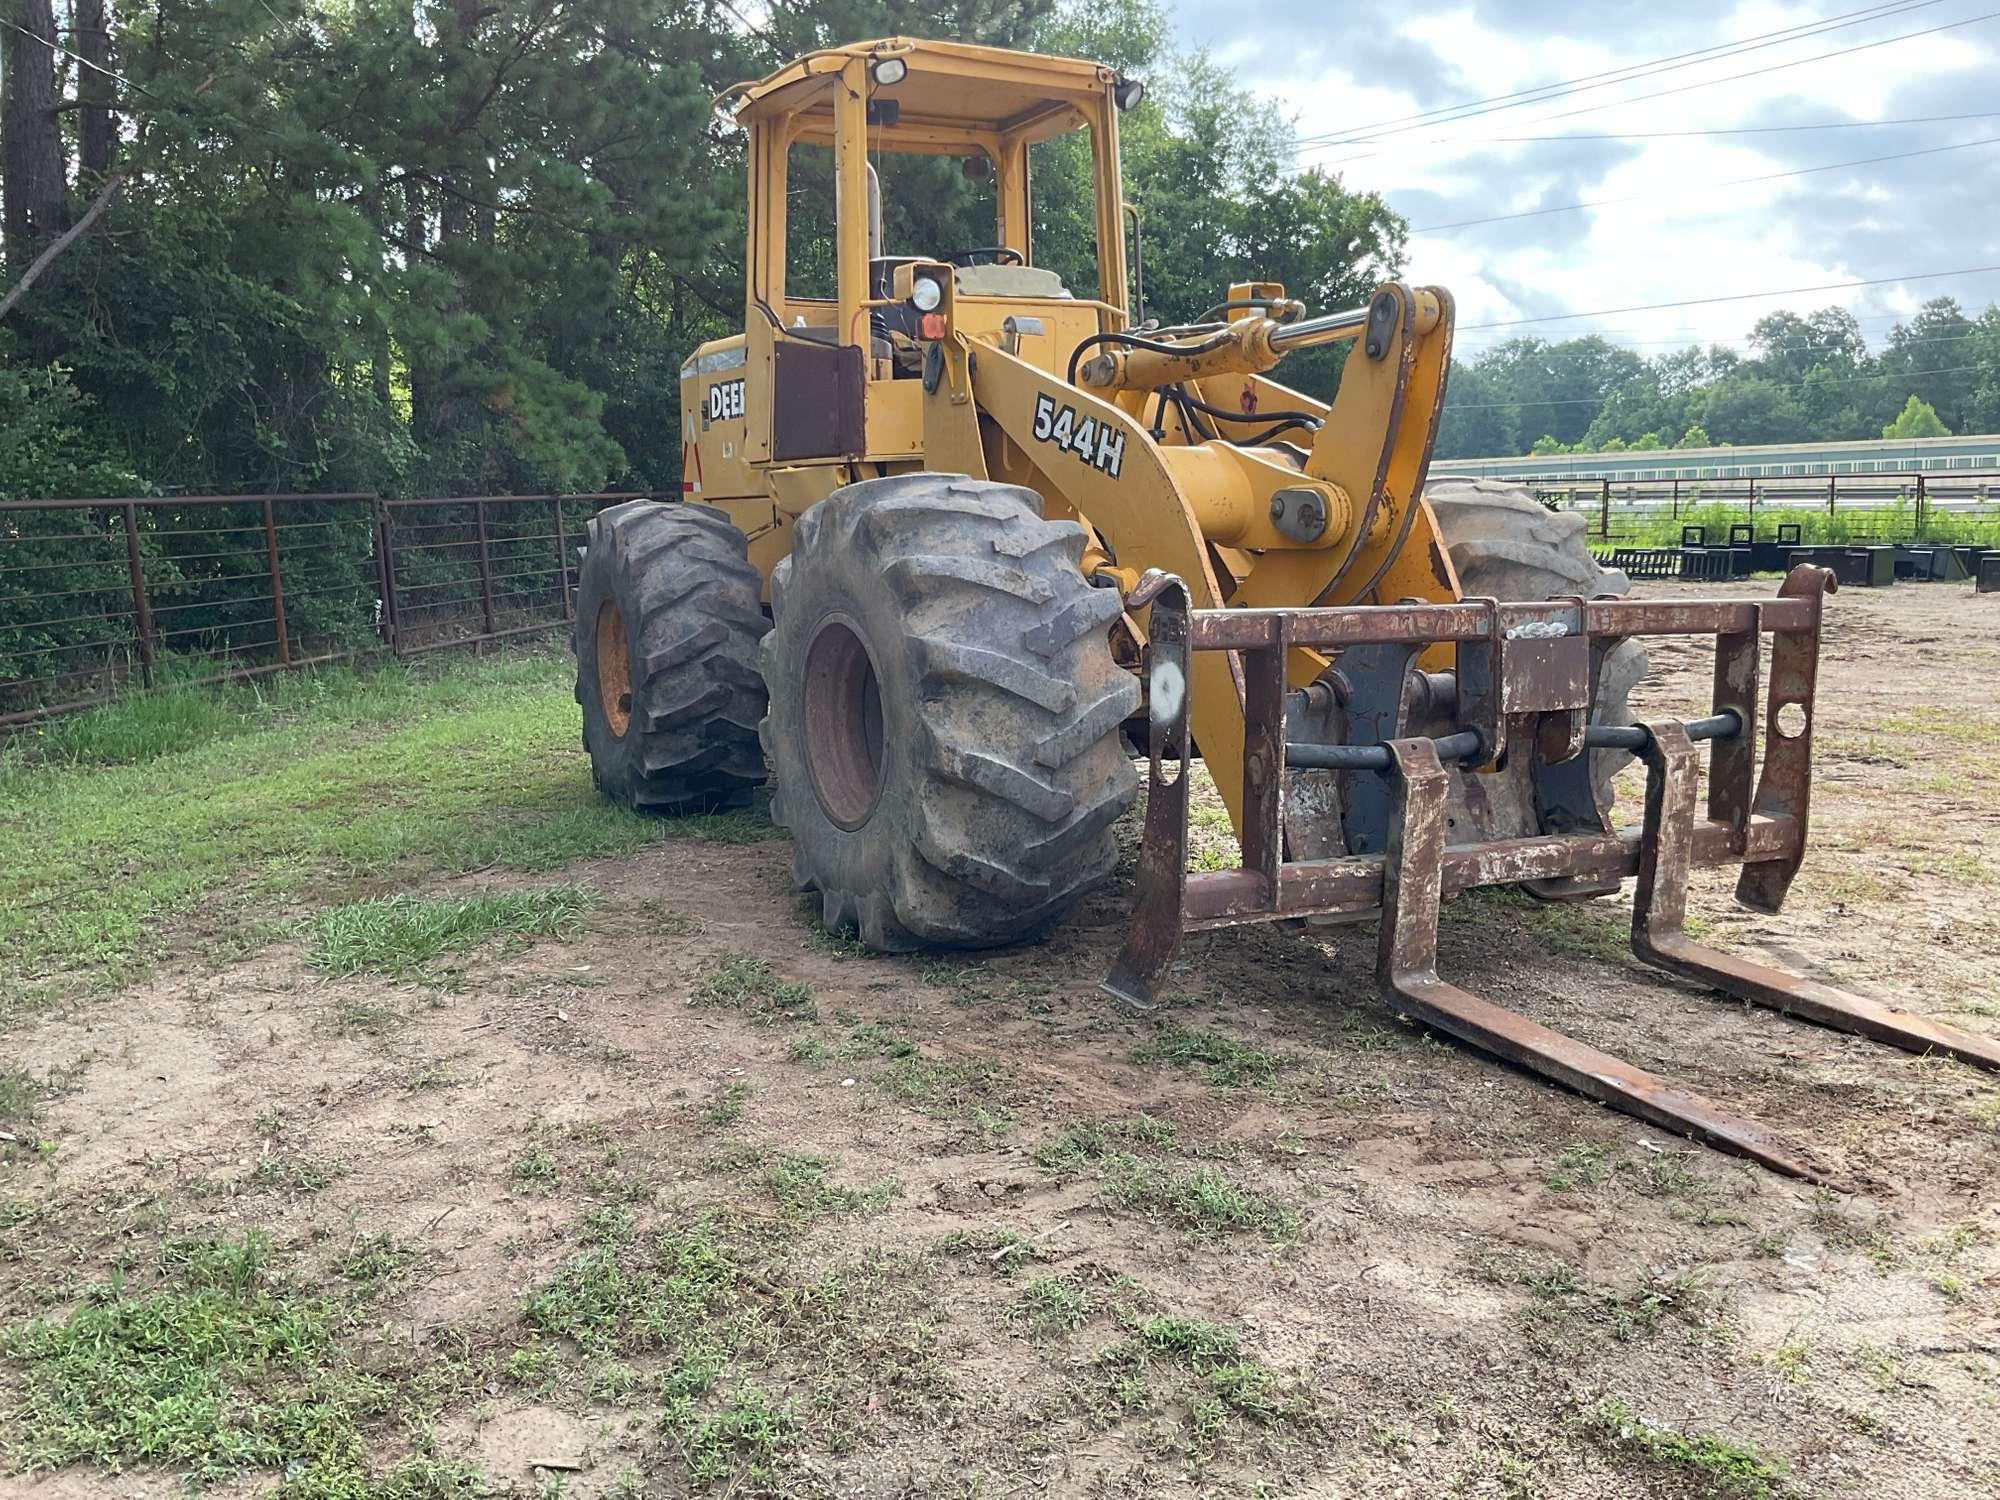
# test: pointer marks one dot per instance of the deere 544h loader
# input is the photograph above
(948, 529)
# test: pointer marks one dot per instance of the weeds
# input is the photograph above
(1051, 1305)
(1226, 1062)
(1716, 1468)
(214, 1370)
(725, 1108)
(742, 982)
(1197, 1198)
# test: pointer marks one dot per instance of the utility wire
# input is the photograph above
(1783, 291)
(78, 57)
(1773, 68)
(1543, 93)
(1710, 82)
(1390, 147)
(1832, 166)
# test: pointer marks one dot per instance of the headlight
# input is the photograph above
(926, 293)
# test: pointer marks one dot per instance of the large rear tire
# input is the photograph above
(667, 624)
(1506, 545)
(944, 713)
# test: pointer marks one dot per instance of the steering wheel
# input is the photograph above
(999, 255)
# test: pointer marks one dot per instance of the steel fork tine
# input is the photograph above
(1659, 937)
(1407, 978)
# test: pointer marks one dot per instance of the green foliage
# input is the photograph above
(1917, 419)
(1809, 378)
(214, 1369)
(1226, 1062)
(463, 249)
(401, 934)
(1704, 1464)
(323, 783)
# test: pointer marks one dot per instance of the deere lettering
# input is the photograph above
(1098, 444)
(725, 399)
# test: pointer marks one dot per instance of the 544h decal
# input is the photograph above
(1098, 444)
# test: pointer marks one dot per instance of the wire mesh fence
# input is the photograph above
(103, 597)
(1829, 508)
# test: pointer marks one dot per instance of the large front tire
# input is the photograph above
(1505, 545)
(667, 624)
(944, 713)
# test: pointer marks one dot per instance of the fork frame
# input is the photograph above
(1522, 684)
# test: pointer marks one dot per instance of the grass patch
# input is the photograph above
(1087, 1142)
(743, 982)
(309, 788)
(1560, 1297)
(1225, 1062)
(1575, 929)
(726, 1107)
(1704, 1464)
(697, 1308)
(1229, 1379)
(1198, 1198)
(374, 1258)
(401, 934)
(968, 1090)
(214, 1370)
(797, 1184)
(1580, 1164)
(1050, 1305)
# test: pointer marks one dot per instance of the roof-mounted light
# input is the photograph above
(1127, 92)
(888, 70)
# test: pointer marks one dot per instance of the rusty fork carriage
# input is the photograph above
(1526, 677)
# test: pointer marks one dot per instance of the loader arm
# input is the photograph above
(1159, 507)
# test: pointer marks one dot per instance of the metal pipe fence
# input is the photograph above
(104, 597)
(1916, 506)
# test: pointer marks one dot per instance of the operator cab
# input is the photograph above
(868, 159)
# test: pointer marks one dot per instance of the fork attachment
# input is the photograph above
(1523, 689)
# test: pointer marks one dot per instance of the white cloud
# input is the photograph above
(1679, 235)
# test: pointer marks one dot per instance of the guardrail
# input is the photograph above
(103, 597)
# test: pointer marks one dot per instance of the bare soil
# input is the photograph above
(1480, 1261)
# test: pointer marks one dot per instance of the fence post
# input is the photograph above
(1753, 506)
(1677, 499)
(562, 557)
(385, 567)
(1831, 493)
(485, 570)
(1604, 512)
(142, 613)
(1920, 504)
(277, 583)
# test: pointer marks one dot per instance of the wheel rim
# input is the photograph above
(843, 723)
(614, 669)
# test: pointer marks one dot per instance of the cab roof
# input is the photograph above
(950, 84)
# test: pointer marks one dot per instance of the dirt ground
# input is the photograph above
(1442, 1277)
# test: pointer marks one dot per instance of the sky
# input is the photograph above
(1352, 73)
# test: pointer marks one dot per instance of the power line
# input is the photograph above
(1390, 147)
(1542, 93)
(1774, 68)
(1710, 82)
(1784, 291)
(1833, 166)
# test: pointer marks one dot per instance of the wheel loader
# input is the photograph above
(954, 533)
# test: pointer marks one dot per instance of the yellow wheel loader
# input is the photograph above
(952, 530)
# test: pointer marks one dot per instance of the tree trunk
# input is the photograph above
(31, 153)
(95, 137)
